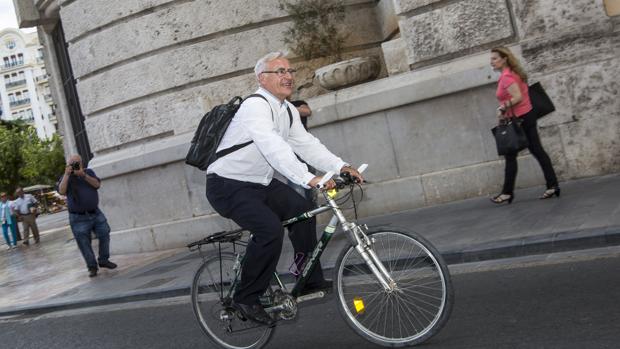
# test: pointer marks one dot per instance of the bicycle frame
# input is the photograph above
(353, 232)
(355, 235)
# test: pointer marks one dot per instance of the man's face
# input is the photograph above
(20, 193)
(280, 85)
(3, 197)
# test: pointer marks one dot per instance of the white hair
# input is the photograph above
(262, 63)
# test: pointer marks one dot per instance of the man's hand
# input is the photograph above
(68, 170)
(353, 172)
(330, 184)
(80, 172)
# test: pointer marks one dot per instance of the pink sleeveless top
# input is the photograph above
(507, 78)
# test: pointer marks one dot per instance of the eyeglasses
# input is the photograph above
(282, 71)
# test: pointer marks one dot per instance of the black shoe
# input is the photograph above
(256, 313)
(26, 243)
(501, 198)
(324, 285)
(92, 272)
(551, 192)
(107, 264)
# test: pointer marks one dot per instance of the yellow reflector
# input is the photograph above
(332, 193)
(359, 305)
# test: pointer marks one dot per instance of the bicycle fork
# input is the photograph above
(363, 245)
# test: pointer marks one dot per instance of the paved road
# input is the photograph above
(569, 300)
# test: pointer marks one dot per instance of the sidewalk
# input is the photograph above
(52, 275)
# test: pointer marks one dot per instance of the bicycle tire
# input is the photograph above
(409, 316)
(208, 296)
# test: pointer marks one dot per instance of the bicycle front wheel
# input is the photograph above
(415, 310)
(211, 301)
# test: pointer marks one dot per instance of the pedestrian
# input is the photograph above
(240, 185)
(25, 206)
(81, 186)
(14, 224)
(6, 214)
(514, 102)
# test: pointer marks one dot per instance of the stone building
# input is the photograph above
(139, 75)
(24, 90)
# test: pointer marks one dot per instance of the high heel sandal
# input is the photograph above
(501, 198)
(549, 193)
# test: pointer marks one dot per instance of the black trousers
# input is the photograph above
(531, 131)
(261, 209)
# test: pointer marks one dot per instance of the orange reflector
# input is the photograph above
(359, 305)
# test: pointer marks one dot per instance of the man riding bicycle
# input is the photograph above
(240, 184)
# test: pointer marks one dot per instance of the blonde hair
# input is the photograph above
(511, 61)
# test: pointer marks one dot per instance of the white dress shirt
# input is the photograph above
(274, 145)
(22, 206)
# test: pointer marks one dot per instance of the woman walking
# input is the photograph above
(6, 220)
(514, 102)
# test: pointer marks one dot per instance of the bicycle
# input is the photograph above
(393, 287)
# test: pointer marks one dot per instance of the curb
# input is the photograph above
(518, 247)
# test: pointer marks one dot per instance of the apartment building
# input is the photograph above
(24, 87)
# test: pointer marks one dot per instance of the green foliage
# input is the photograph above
(315, 32)
(27, 160)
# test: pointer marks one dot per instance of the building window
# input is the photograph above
(71, 95)
(10, 43)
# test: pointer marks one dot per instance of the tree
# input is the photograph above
(27, 160)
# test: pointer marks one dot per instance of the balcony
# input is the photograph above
(19, 103)
(52, 118)
(48, 98)
(41, 78)
(13, 84)
(40, 60)
(11, 65)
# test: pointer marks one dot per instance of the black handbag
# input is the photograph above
(541, 103)
(509, 137)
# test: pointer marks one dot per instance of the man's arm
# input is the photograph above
(255, 118)
(64, 182)
(91, 179)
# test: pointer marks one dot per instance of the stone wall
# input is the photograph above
(147, 70)
(570, 47)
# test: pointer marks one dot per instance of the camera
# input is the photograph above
(75, 166)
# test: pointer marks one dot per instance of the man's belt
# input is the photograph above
(83, 212)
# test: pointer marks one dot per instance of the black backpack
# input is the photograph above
(211, 130)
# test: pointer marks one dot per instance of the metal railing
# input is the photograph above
(15, 83)
(42, 78)
(11, 65)
(20, 102)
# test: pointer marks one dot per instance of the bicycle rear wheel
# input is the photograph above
(416, 310)
(211, 302)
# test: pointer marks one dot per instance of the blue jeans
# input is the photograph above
(5, 231)
(82, 225)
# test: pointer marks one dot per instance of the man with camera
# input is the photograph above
(80, 185)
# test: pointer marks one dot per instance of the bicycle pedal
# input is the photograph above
(311, 296)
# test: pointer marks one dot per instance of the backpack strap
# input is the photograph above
(236, 147)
